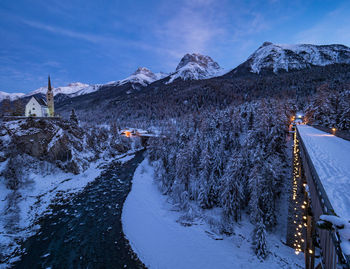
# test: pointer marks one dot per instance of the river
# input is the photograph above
(86, 231)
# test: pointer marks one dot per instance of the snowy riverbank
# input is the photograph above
(21, 209)
(160, 241)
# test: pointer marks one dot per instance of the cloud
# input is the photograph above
(69, 33)
(189, 29)
(205, 26)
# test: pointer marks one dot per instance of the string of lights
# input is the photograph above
(299, 203)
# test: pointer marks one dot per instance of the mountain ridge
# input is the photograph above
(269, 58)
(286, 57)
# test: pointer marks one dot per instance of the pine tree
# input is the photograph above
(232, 189)
(73, 117)
(259, 241)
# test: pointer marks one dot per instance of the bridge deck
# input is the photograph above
(330, 156)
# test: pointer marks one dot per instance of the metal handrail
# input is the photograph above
(327, 207)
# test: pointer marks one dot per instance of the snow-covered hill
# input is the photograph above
(70, 89)
(142, 76)
(196, 66)
(11, 96)
(277, 57)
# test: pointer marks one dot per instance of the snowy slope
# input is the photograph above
(142, 76)
(71, 88)
(87, 90)
(286, 57)
(11, 96)
(331, 158)
(196, 66)
(160, 241)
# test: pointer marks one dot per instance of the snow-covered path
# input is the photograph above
(331, 158)
(160, 241)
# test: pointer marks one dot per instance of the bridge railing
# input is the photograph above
(332, 255)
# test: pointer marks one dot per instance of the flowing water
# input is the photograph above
(86, 231)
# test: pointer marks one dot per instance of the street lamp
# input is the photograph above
(334, 130)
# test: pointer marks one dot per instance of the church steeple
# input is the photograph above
(49, 99)
(49, 84)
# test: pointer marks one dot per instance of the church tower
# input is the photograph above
(49, 99)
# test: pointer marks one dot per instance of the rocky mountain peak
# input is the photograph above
(195, 66)
(266, 43)
(201, 60)
(144, 71)
(275, 57)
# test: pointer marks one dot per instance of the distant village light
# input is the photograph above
(334, 130)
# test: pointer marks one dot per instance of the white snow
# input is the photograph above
(59, 133)
(10, 96)
(150, 224)
(71, 88)
(87, 90)
(285, 57)
(331, 158)
(343, 228)
(142, 76)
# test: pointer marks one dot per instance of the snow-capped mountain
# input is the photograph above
(142, 76)
(196, 66)
(275, 57)
(70, 89)
(11, 96)
(86, 90)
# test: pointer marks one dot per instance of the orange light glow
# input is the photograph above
(334, 130)
(128, 134)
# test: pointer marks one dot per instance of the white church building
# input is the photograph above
(37, 107)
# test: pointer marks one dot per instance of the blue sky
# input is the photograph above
(100, 41)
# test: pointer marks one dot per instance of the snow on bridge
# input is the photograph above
(325, 161)
(330, 156)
